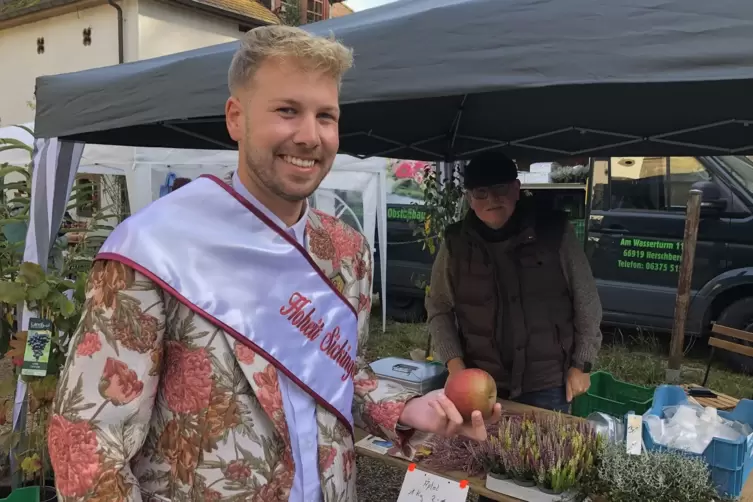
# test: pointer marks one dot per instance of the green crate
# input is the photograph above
(613, 397)
(29, 494)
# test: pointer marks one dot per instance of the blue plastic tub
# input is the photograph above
(730, 461)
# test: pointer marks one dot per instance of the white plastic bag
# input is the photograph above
(691, 428)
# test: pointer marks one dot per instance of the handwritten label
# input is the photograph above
(421, 486)
(337, 350)
(634, 436)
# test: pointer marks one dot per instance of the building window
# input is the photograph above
(315, 11)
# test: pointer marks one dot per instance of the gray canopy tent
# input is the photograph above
(437, 79)
(443, 80)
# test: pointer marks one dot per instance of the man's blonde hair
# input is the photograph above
(287, 42)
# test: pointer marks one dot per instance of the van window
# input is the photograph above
(600, 185)
(742, 169)
(645, 183)
(683, 172)
(638, 183)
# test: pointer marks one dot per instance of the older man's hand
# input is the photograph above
(577, 383)
(435, 413)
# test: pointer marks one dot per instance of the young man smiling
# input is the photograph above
(224, 321)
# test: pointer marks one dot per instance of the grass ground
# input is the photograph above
(637, 357)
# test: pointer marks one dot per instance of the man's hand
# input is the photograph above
(435, 413)
(577, 383)
(455, 365)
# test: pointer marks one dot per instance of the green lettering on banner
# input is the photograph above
(650, 254)
(405, 214)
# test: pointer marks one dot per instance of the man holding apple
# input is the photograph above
(512, 293)
(220, 352)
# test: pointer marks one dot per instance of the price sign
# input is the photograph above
(634, 436)
(421, 486)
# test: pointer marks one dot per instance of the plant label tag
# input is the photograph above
(37, 352)
(422, 486)
(634, 435)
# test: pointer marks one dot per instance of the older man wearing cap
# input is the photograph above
(512, 293)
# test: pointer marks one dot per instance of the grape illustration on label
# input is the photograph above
(37, 353)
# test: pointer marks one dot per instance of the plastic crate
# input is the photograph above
(613, 397)
(579, 225)
(730, 461)
(29, 494)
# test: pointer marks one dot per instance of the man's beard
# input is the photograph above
(266, 176)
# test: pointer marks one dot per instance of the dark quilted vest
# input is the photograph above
(513, 303)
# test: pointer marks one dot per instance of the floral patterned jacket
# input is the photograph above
(154, 400)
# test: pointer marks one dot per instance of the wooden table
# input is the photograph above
(477, 485)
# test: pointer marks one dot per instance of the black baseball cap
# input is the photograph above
(488, 169)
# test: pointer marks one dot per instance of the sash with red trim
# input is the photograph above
(225, 260)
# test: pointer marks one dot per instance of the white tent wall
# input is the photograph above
(367, 177)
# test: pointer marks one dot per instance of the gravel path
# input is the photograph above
(379, 482)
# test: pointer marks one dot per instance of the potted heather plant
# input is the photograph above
(566, 452)
(653, 475)
(542, 450)
(487, 455)
(549, 465)
(524, 463)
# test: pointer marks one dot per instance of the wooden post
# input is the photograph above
(677, 344)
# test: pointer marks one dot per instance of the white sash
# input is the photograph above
(225, 260)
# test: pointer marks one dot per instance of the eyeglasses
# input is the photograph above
(482, 193)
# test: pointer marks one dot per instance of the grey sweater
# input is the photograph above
(586, 303)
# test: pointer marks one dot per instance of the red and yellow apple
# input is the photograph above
(472, 389)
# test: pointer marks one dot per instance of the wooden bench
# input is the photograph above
(718, 343)
(721, 402)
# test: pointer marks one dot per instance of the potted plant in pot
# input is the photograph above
(488, 455)
(653, 475)
(550, 467)
(567, 452)
(44, 294)
(523, 454)
(56, 296)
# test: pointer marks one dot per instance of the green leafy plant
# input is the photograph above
(289, 12)
(443, 199)
(443, 205)
(56, 294)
